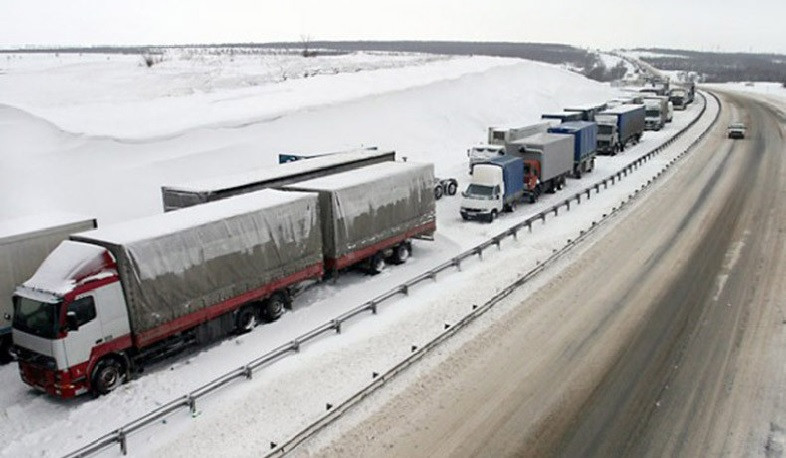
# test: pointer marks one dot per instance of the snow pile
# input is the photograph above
(428, 113)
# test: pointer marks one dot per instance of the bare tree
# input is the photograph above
(305, 40)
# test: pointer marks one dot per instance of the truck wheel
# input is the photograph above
(438, 192)
(577, 175)
(533, 198)
(401, 253)
(107, 375)
(5, 350)
(274, 307)
(246, 319)
(464, 217)
(376, 264)
(492, 216)
(452, 188)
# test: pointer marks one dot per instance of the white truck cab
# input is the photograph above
(68, 316)
(483, 198)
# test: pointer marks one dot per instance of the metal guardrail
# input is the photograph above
(119, 436)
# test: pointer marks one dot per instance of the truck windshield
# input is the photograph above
(34, 317)
(653, 114)
(480, 190)
(604, 130)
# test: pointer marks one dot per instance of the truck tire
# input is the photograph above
(273, 307)
(401, 253)
(438, 192)
(107, 375)
(452, 188)
(246, 319)
(577, 174)
(492, 216)
(376, 264)
(5, 350)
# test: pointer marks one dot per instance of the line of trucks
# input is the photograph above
(83, 308)
(108, 301)
(523, 162)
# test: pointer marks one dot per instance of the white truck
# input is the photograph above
(24, 243)
(656, 112)
(498, 137)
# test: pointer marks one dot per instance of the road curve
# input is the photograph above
(665, 337)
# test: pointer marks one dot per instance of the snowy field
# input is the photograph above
(773, 90)
(69, 153)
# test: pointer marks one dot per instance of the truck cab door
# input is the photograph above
(84, 330)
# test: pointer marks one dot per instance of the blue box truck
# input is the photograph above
(496, 186)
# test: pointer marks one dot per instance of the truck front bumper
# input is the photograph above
(474, 213)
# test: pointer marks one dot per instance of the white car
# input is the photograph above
(736, 130)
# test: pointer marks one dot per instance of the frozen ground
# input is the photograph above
(430, 111)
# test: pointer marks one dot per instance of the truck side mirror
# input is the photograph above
(463, 193)
(72, 322)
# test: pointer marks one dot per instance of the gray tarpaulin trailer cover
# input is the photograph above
(371, 205)
(174, 264)
(194, 193)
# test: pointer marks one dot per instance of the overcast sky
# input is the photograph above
(717, 25)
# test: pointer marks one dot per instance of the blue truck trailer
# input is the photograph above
(585, 145)
(497, 185)
(619, 126)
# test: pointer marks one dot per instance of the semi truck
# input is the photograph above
(498, 137)
(589, 111)
(679, 98)
(187, 194)
(656, 112)
(619, 126)
(370, 215)
(24, 243)
(497, 185)
(108, 302)
(563, 116)
(548, 160)
(585, 145)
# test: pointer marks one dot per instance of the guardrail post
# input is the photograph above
(373, 307)
(479, 252)
(248, 372)
(529, 226)
(497, 242)
(191, 404)
(337, 326)
(404, 289)
(121, 438)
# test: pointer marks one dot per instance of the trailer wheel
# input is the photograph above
(107, 375)
(438, 192)
(401, 253)
(452, 188)
(376, 264)
(246, 319)
(273, 307)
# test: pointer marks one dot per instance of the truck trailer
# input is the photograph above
(548, 160)
(563, 116)
(106, 302)
(497, 185)
(588, 111)
(24, 244)
(498, 137)
(619, 126)
(198, 192)
(585, 145)
(370, 215)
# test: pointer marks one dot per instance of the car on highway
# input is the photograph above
(736, 130)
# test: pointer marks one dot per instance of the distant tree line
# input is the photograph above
(723, 67)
